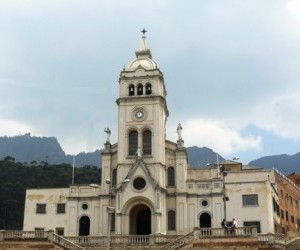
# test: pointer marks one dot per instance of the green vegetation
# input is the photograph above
(16, 177)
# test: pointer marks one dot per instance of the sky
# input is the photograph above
(231, 69)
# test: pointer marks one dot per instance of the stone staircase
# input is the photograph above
(203, 238)
(35, 240)
(179, 243)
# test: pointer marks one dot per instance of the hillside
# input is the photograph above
(28, 149)
(285, 163)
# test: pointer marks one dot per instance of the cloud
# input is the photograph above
(280, 114)
(10, 127)
(218, 136)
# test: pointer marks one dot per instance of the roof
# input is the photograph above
(143, 58)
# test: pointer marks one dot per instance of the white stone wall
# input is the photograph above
(50, 220)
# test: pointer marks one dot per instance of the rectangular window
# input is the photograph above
(250, 200)
(40, 208)
(39, 229)
(292, 219)
(61, 208)
(287, 215)
(171, 220)
(282, 214)
(253, 223)
(204, 186)
(113, 222)
(217, 185)
(59, 231)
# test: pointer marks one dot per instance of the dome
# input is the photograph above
(145, 63)
(143, 58)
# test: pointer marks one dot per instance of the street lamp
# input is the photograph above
(110, 209)
(225, 198)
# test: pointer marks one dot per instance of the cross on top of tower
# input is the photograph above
(144, 32)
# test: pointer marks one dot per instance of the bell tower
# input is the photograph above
(142, 114)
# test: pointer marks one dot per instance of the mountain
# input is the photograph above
(285, 163)
(199, 157)
(27, 149)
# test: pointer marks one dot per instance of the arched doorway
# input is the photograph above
(84, 226)
(205, 220)
(140, 220)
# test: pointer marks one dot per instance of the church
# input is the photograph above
(147, 186)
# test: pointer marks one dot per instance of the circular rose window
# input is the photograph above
(85, 206)
(204, 203)
(139, 183)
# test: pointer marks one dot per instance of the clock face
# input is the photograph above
(139, 114)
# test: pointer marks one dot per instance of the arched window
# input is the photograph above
(171, 220)
(131, 90)
(114, 177)
(171, 176)
(140, 89)
(133, 142)
(148, 89)
(147, 142)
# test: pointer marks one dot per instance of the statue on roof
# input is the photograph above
(179, 132)
(139, 153)
(108, 133)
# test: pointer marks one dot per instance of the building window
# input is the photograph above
(147, 141)
(113, 222)
(171, 176)
(61, 208)
(140, 89)
(59, 231)
(148, 89)
(292, 219)
(40, 208)
(139, 183)
(282, 214)
(204, 203)
(291, 200)
(114, 178)
(217, 185)
(253, 223)
(250, 200)
(39, 229)
(133, 142)
(203, 186)
(131, 90)
(287, 215)
(171, 220)
(85, 206)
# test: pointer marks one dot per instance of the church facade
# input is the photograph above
(147, 186)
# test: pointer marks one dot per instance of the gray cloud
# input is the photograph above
(223, 61)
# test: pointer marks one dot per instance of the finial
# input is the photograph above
(108, 133)
(144, 31)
